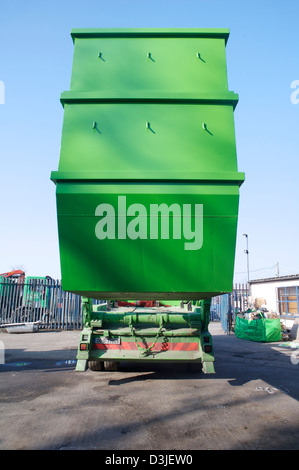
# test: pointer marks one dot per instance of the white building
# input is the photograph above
(281, 294)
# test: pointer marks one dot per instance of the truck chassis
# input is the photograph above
(115, 334)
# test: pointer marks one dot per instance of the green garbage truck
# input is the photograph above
(24, 298)
(147, 191)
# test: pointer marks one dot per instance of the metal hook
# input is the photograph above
(199, 57)
(149, 56)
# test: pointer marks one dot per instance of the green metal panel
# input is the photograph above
(152, 59)
(127, 252)
(35, 293)
(121, 140)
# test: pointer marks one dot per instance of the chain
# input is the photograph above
(146, 351)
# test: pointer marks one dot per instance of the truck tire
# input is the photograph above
(96, 365)
(111, 365)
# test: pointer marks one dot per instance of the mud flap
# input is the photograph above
(208, 367)
(81, 365)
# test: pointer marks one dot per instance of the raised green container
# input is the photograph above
(147, 184)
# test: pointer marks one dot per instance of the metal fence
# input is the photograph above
(44, 301)
(40, 300)
(224, 307)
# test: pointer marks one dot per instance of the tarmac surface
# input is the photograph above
(251, 402)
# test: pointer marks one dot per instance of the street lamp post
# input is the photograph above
(247, 253)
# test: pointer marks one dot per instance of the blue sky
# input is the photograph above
(36, 54)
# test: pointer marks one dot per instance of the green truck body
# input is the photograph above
(147, 186)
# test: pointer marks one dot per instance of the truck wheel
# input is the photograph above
(96, 365)
(111, 365)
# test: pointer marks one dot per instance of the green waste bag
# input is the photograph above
(263, 329)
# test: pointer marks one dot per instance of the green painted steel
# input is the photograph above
(36, 294)
(146, 335)
(149, 64)
(148, 183)
(194, 265)
(146, 141)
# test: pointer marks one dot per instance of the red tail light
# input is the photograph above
(83, 347)
(208, 348)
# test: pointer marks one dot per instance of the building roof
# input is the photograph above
(291, 277)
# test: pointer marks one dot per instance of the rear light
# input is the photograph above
(206, 339)
(83, 347)
(207, 348)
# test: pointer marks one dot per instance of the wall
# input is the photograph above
(268, 291)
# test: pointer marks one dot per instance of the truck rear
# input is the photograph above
(113, 335)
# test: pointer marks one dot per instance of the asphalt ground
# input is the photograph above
(250, 403)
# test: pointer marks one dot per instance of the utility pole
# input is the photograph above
(277, 269)
(247, 253)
